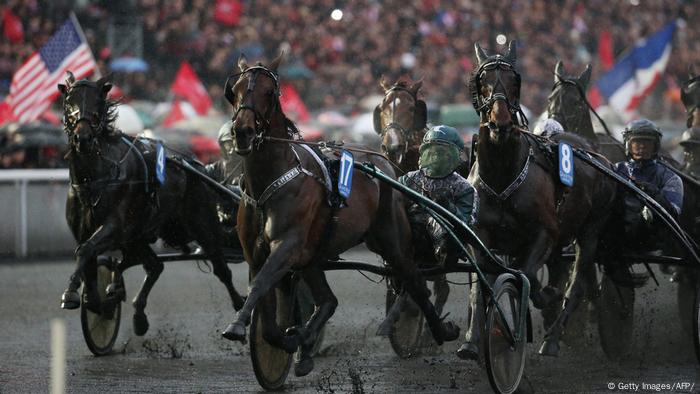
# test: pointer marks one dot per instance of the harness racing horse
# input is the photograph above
(524, 211)
(286, 224)
(116, 203)
(400, 120)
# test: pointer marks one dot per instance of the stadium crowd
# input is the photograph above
(432, 39)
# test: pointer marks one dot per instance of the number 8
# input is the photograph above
(566, 158)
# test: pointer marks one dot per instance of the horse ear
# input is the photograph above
(278, 60)
(416, 87)
(70, 79)
(585, 76)
(383, 83)
(691, 71)
(480, 54)
(105, 84)
(512, 54)
(242, 62)
(558, 71)
(63, 89)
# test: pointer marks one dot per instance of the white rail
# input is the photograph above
(36, 219)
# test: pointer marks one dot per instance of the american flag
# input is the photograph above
(33, 87)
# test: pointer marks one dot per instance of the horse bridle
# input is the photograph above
(394, 124)
(485, 105)
(262, 122)
(579, 108)
(582, 93)
(78, 113)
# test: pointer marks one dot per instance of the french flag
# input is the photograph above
(635, 75)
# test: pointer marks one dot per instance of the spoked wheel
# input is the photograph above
(406, 333)
(271, 364)
(100, 323)
(505, 360)
(615, 318)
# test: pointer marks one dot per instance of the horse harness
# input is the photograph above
(419, 117)
(547, 160)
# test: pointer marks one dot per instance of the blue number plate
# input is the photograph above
(566, 164)
(345, 175)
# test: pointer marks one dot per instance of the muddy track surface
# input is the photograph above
(183, 352)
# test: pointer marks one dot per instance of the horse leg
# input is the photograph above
(471, 347)
(99, 242)
(325, 302)
(153, 269)
(585, 248)
(208, 241)
(442, 290)
(283, 255)
(539, 253)
(392, 316)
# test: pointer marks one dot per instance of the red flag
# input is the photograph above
(180, 110)
(292, 103)
(605, 50)
(228, 12)
(189, 87)
(12, 27)
(6, 114)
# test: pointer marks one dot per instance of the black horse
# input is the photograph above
(117, 202)
(525, 212)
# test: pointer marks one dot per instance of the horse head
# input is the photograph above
(567, 102)
(398, 117)
(254, 94)
(495, 90)
(690, 96)
(87, 112)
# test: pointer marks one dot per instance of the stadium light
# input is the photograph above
(501, 39)
(337, 14)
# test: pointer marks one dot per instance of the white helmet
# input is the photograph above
(548, 127)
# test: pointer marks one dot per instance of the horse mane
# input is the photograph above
(110, 108)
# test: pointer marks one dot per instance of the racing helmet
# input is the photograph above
(641, 128)
(691, 138)
(440, 151)
(226, 139)
(549, 127)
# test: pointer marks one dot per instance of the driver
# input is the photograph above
(227, 169)
(437, 180)
(642, 140)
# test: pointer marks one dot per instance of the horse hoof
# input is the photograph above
(549, 348)
(115, 292)
(234, 332)
(303, 367)
(140, 324)
(70, 299)
(468, 351)
(450, 331)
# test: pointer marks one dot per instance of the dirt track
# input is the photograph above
(183, 352)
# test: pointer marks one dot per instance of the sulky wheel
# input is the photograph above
(615, 318)
(406, 333)
(271, 364)
(505, 360)
(100, 323)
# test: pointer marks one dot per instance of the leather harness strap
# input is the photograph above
(513, 185)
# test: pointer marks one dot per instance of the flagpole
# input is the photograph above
(79, 29)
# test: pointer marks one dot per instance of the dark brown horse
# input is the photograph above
(400, 120)
(525, 211)
(116, 203)
(285, 223)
